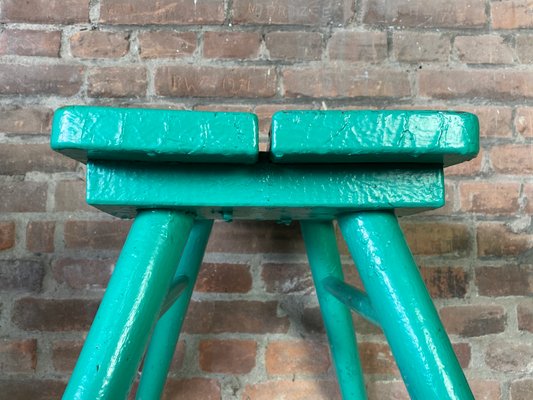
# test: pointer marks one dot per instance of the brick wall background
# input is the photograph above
(255, 331)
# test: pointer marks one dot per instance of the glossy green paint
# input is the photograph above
(407, 315)
(130, 308)
(166, 333)
(262, 190)
(135, 134)
(325, 263)
(177, 287)
(441, 137)
(352, 297)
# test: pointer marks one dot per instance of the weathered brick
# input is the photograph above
(227, 356)
(224, 278)
(33, 193)
(513, 159)
(524, 121)
(70, 196)
(45, 11)
(286, 278)
(18, 355)
(117, 82)
(62, 80)
(376, 358)
(497, 240)
(83, 273)
(7, 234)
(489, 198)
(416, 47)
(293, 390)
(19, 159)
(166, 44)
(192, 388)
(468, 168)
(65, 354)
(345, 82)
(99, 44)
(525, 315)
(24, 42)
(96, 234)
(40, 236)
(288, 357)
(463, 352)
(494, 121)
(358, 46)
(25, 120)
(184, 81)
(428, 238)
(528, 194)
(521, 389)
(511, 14)
(387, 390)
(31, 388)
(235, 316)
(509, 356)
(509, 280)
(296, 12)
(294, 46)
(53, 315)
(178, 357)
(239, 45)
(485, 389)
(524, 48)
(476, 83)
(142, 12)
(445, 282)
(424, 14)
(474, 320)
(484, 49)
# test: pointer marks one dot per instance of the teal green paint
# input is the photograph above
(166, 333)
(325, 263)
(135, 134)
(352, 297)
(129, 310)
(263, 190)
(408, 317)
(441, 137)
(177, 287)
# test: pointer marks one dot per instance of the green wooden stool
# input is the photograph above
(177, 171)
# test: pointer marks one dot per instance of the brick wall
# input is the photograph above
(254, 331)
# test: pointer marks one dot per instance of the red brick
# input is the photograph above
(188, 80)
(224, 278)
(235, 316)
(528, 194)
(227, 356)
(494, 121)
(292, 390)
(34, 194)
(358, 46)
(264, 114)
(40, 236)
(296, 12)
(179, 357)
(25, 120)
(239, 45)
(166, 44)
(18, 355)
(21, 275)
(511, 14)
(62, 80)
(476, 83)
(45, 11)
(445, 282)
(525, 315)
(99, 44)
(485, 389)
(192, 389)
(117, 82)
(463, 352)
(468, 168)
(53, 315)
(483, 49)
(524, 121)
(31, 388)
(83, 273)
(287, 278)
(509, 280)
(96, 234)
(143, 12)
(345, 82)
(424, 14)
(65, 354)
(513, 159)
(416, 47)
(509, 357)
(378, 390)
(440, 238)
(474, 320)
(524, 48)
(291, 46)
(376, 358)
(521, 389)
(70, 196)
(22, 42)
(489, 198)
(19, 159)
(7, 234)
(284, 357)
(496, 240)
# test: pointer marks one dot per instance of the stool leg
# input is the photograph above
(130, 308)
(407, 315)
(324, 260)
(167, 331)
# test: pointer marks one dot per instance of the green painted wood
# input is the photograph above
(261, 191)
(441, 137)
(135, 134)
